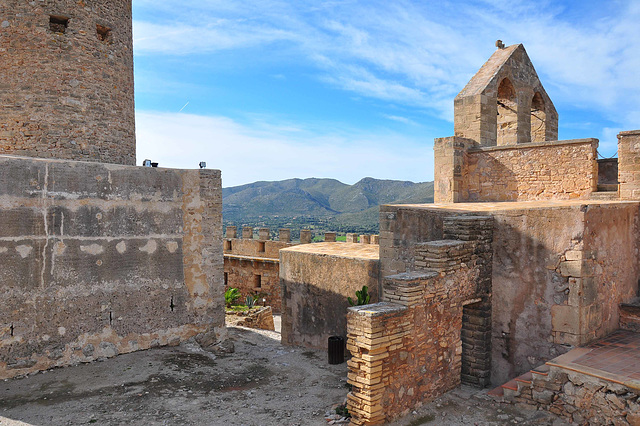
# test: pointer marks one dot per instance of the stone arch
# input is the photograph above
(507, 118)
(538, 118)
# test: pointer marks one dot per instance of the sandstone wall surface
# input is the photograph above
(560, 270)
(629, 164)
(408, 349)
(242, 273)
(316, 280)
(102, 259)
(252, 266)
(67, 92)
(559, 170)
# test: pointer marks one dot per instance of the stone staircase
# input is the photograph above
(596, 384)
(606, 192)
(521, 386)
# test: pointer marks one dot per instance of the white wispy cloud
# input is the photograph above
(418, 54)
(248, 153)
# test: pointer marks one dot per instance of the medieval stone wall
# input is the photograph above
(560, 269)
(102, 259)
(252, 265)
(316, 280)
(559, 170)
(628, 164)
(255, 277)
(408, 349)
(66, 80)
(581, 398)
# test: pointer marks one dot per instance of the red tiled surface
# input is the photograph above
(618, 353)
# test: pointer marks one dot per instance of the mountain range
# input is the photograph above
(318, 203)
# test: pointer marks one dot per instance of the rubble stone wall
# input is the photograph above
(561, 170)
(66, 78)
(101, 259)
(581, 398)
(559, 271)
(252, 265)
(243, 272)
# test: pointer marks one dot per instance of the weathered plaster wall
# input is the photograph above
(611, 265)
(316, 280)
(67, 95)
(102, 259)
(560, 269)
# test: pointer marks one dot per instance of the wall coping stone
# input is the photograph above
(629, 132)
(377, 309)
(412, 276)
(252, 258)
(534, 145)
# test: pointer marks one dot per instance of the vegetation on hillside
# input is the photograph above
(318, 204)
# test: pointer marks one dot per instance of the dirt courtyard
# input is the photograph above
(262, 383)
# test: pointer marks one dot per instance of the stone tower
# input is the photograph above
(66, 80)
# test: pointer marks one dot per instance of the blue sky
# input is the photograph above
(270, 90)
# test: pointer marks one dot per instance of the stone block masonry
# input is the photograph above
(102, 259)
(66, 78)
(560, 270)
(629, 164)
(558, 170)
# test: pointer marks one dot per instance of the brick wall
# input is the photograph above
(101, 259)
(67, 95)
(409, 348)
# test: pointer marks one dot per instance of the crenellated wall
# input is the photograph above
(100, 259)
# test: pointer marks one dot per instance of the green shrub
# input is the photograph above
(230, 296)
(250, 301)
(362, 295)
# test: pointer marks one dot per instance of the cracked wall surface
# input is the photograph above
(102, 259)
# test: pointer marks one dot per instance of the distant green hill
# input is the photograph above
(320, 204)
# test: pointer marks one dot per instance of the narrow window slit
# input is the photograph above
(104, 33)
(11, 330)
(172, 305)
(58, 23)
(110, 317)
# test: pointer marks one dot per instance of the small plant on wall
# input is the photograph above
(362, 296)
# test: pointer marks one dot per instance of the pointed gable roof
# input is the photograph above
(489, 71)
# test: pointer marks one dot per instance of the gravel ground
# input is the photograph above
(262, 383)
